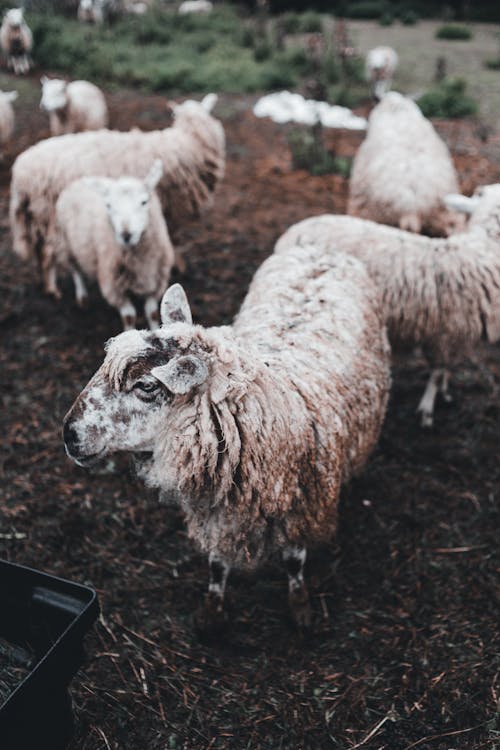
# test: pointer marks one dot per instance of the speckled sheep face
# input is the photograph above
(127, 402)
(54, 94)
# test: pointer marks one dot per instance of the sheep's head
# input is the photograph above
(144, 374)
(127, 201)
(191, 106)
(483, 207)
(14, 17)
(54, 94)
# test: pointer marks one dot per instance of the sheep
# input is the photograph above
(90, 11)
(441, 294)
(114, 230)
(251, 428)
(381, 64)
(73, 107)
(203, 7)
(6, 115)
(16, 41)
(402, 171)
(192, 152)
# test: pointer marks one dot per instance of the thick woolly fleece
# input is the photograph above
(192, 152)
(84, 235)
(292, 405)
(441, 294)
(403, 170)
(86, 109)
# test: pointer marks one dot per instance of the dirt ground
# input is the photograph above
(404, 649)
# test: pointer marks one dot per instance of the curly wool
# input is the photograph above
(192, 152)
(294, 404)
(402, 171)
(441, 294)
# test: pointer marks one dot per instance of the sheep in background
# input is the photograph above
(440, 294)
(90, 11)
(252, 427)
(7, 115)
(192, 152)
(402, 171)
(16, 41)
(381, 64)
(202, 7)
(114, 231)
(73, 107)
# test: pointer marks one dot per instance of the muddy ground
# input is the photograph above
(404, 650)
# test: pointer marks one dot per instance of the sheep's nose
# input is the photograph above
(126, 236)
(70, 438)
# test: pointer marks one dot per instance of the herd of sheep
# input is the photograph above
(253, 428)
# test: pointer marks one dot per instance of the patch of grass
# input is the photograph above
(493, 63)
(453, 32)
(409, 17)
(448, 99)
(386, 19)
(311, 22)
(308, 152)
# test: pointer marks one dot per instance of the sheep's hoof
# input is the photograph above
(211, 617)
(300, 608)
(83, 301)
(426, 420)
(54, 293)
(447, 398)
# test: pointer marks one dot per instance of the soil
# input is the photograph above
(404, 648)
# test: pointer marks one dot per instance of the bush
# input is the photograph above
(368, 9)
(308, 152)
(448, 99)
(453, 31)
(493, 63)
(311, 22)
(409, 17)
(386, 19)
(290, 23)
(262, 51)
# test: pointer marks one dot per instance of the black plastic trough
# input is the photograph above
(43, 620)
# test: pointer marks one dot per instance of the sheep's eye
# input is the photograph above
(144, 202)
(146, 387)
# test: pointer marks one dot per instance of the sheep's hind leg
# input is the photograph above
(80, 288)
(445, 387)
(128, 315)
(426, 405)
(212, 615)
(294, 559)
(151, 312)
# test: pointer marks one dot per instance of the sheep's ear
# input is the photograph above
(174, 306)
(182, 373)
(209, 101)
(457, 202)
(154, 175)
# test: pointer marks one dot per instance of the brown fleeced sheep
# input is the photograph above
(252, 427)
(402, 171)
(440, 294)
(192, 152)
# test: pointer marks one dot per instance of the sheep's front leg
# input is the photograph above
(426, 405)
(151, 312)
(294, 559)
(80, 288)
(128, 315)
(213, 615)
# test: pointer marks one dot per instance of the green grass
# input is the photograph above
(308, 152)
(454, 32)
(448, 99)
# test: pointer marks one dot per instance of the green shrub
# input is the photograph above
(386, 19)
(448, 99)
(409, 17)
(365, 9)
(262, 51)
(355, 70)
(493, 63)
(331, 69)
(290, 23)
(453, 31)
(247, 37)
(308, 152)
(311, 22)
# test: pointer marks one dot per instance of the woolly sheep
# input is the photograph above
(73, 107)
(114, 230)
(16, 41)
(192, 152)
(90, 11)
(381, 64)
(253, 427)
(440, 294)
(6, 115)
(402, 171)
(195, 6)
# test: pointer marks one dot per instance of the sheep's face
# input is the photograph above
(54, 94)
(127, 202)
(127, 402)
(14, 18)
(483, 207)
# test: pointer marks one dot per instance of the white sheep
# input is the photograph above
(114, 231)
(16, 41)
(251, 427)
(73, 107)
(202, 7)
(6, 115)
(403, 170)
(192, 152)
(439, 294)
(90, 11)
(381, 64)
